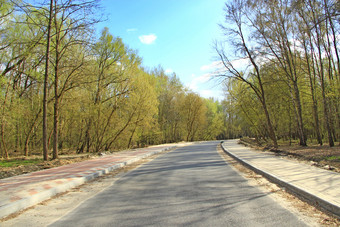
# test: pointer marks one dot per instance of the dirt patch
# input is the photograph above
(309, 214)
(321, 156)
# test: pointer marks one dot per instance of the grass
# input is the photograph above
(333, 158)
(19, 162)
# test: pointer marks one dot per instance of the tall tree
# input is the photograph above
(47, 59)
(72, 26)
(236, 21)
(274, 24)
(193, 110)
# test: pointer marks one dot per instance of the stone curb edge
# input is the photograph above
(301, 193)
(29, 201)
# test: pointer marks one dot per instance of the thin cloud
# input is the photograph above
(192, 86)
(204, 78)
(198, 82)
(148, 39)
(169, 71)
(131, 30)
(212, 66)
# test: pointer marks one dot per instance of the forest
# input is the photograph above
(288, 88)
(62, 88)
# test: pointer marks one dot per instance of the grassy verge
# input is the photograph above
(19, 162)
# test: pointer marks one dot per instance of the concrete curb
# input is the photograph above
(13, 207)
(302, 193)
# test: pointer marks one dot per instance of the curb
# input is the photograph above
(13, 207)
(298, 191)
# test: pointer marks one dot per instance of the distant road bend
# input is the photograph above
(191, 186)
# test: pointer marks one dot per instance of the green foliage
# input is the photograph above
(296, 54)
(333, 158)
(106, 100)
(19, 162)
(215, 120)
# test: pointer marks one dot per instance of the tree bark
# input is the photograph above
(56, 83)
(45, 138)
(322, 81)
(30, 132)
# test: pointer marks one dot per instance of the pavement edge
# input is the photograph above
(24, 203)
(301, 193)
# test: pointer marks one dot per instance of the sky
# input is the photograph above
(176, 34)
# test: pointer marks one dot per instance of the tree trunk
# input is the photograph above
(45, 139)
(312, 77)
(302, 135)
(3, 141)
(321, 75)
(324, 99)
(30, 132)
(325, 109)
(56, 83)
(270, 126)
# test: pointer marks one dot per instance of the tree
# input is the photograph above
(274, 24)
(316, 30)
(170, 97)
(292, 45)
(193, 115)
(234, 17)
(214, 117)
(72, 21)
(47, 59)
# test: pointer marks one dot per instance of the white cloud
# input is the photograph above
(131, 30)
(212, 66)
(192, 86)
(204, 83)
(204, 78)
(216, 93)
(197, 82)
(169, 71)
(241, 63)
(217, 67)
(148, 39)
(207, 93)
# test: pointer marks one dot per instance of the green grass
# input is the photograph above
(18, 162)
(333, 158)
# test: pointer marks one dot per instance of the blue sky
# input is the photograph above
(176, 34)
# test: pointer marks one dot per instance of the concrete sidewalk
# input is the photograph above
(318, 186)
(23, 191)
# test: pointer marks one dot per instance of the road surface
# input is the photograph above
(191, 186)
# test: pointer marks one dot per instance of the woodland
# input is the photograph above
(62, 88)
(288, 87)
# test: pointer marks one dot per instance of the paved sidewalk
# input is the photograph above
(319, 186)
(23, 191)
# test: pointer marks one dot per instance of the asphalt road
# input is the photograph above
(191, 186)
